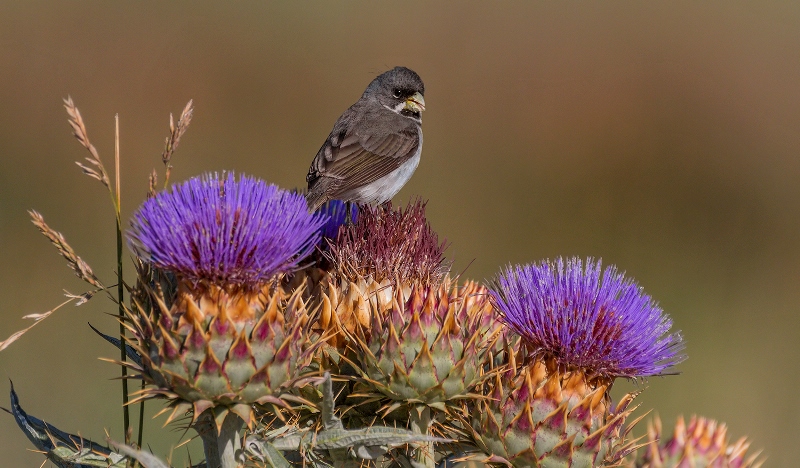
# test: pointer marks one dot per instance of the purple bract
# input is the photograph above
(336, 210)
(228, 232)
(602, 324)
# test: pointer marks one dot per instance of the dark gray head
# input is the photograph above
(399, 89)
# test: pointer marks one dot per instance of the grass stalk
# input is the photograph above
(126, 418)
(140, 436)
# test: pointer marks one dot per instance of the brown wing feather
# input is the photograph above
(352, 159)
(369, 162)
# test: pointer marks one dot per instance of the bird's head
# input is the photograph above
(399, 89)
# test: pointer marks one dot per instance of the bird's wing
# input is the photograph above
(354, 159)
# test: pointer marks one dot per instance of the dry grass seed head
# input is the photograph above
(79, 130)
(81, 268)
(176, 132)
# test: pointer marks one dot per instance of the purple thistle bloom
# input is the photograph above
(603, 324)
(336, 210)
(228, 232)
(394, 243)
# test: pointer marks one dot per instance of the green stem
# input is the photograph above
(420, 421)
(223, 449)
(140, 436)
(123, 357)
(126, 416)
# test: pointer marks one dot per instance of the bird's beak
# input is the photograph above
(415, 103)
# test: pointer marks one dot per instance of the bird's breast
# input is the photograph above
(383, 189)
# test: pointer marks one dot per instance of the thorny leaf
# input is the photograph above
(268, 454)
(373, 436)
(63, 449)
(367, 443)
(148, 460)
(329, 419)
(129, 350)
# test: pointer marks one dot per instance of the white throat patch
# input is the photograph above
(396, 109)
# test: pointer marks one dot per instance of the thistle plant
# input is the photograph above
(701, 443)
(348, 343)
(577, 329)
(223, 337)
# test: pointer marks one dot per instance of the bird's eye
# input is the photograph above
(397, 93)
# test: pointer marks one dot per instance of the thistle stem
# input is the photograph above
(126, 417)
(420, 421)
(140, 436)
(223, 449)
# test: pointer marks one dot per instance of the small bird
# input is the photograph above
(374, 146)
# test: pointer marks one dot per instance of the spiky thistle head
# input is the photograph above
(394, 244)
(534, 415)
(702, 443)
(584, 318)
(228, 232)
(428, 346)
(214, 325)
(387, 252)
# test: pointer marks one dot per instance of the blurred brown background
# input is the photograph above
(662, 137)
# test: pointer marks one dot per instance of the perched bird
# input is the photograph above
(374, 146)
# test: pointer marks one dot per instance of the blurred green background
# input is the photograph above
(663, 137)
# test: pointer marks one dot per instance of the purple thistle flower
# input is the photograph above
(394, 243)
(602, 324)
(336, 210)
(228, 232)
